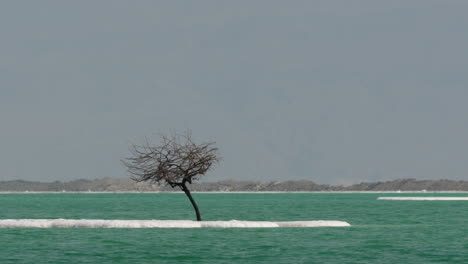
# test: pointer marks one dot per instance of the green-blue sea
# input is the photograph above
(381, 232)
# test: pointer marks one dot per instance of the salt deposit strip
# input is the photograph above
(88, 223)
(425, 198)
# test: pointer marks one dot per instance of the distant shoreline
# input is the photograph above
(115, 185)
(240, 192)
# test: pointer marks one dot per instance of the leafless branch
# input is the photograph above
(176, 160)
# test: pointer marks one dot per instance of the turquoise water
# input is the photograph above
(381, 231)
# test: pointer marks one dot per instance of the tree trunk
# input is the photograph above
(195, 206)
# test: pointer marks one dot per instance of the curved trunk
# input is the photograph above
(195, 206)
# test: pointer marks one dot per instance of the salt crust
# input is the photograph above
(424, 198)
(89, 223)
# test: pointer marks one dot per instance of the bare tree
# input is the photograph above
(176, 161)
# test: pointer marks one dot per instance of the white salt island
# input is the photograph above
(90, 223)
(424, 198)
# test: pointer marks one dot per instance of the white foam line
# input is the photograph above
(89, 223)
(425, 198)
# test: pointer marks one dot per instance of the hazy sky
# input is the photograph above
(330, 91)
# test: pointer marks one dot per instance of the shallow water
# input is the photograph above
(381, 232)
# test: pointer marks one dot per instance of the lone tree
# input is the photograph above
(176, 161)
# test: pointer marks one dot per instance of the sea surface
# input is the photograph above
(381, 232)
